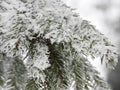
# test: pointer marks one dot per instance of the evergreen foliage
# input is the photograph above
(45, 44)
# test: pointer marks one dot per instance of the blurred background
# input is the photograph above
(105, 16)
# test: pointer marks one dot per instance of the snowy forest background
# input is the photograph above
(105, 15)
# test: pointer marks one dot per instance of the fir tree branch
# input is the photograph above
(86, 77)
(32, 85)
(56, 76)
(14, 73)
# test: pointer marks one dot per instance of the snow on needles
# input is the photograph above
(35, 21)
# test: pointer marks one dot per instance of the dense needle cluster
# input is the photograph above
(44, 45)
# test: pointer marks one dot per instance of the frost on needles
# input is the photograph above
(44, 45)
